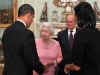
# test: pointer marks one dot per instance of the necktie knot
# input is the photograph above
(71, 31)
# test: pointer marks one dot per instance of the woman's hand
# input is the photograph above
(75, 67)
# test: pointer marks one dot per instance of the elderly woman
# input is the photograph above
(48, 49)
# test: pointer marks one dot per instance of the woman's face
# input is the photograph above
(45, 33)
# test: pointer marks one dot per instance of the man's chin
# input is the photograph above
(71, 28)
(46, 38)
(28, 26)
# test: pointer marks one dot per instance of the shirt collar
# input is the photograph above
(21, 22)
(74, 30)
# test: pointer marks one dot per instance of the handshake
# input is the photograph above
(71, 67)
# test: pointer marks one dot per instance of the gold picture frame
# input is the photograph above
(8, 15)
(58, 3)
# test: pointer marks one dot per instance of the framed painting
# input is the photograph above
(8, 12)
(1, 49)
(64, 3)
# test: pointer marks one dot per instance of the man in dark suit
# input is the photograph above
(65, 39)
(19, 45)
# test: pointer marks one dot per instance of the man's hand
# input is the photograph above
(69, 67)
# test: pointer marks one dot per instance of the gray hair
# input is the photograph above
(49, 25)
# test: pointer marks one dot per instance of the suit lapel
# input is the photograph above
(77, 29)
(66, 39)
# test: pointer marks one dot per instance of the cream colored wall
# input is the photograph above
(92, 2)
(98, 2)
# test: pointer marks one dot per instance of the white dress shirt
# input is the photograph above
(73, 33)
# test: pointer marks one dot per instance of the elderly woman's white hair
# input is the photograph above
(49, 25)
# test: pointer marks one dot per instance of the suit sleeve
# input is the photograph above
(62, 63)
(59, 56)
(58, 38)
(30, 53)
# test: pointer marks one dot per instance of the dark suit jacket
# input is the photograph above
(20, 51)
(86, 51)
(66, 50)
(64, 43)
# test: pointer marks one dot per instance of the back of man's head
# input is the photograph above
(24, 9)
